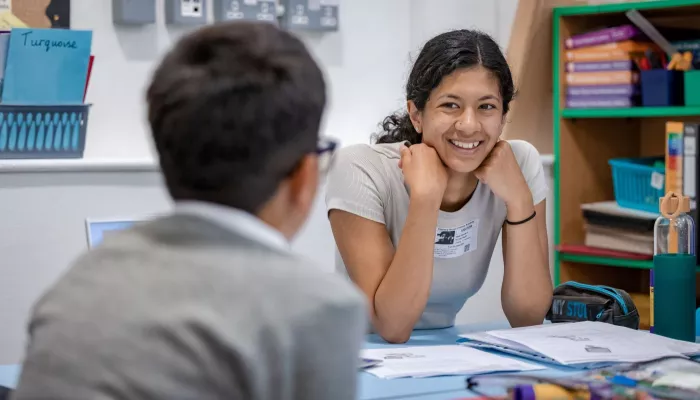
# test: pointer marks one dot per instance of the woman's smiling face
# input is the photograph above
(463, 118)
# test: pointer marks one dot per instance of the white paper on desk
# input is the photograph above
(425, 361)
(590, 342)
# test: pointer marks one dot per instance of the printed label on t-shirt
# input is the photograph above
(453, 242)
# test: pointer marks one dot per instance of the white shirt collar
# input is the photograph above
(235, 220)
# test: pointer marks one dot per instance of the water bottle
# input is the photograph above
(672, 279)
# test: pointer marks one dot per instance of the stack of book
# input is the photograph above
(623, 230)
(601, 68)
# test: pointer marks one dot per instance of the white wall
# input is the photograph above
(371, 46)
(365, 65)
(429, 18)
(43, 230)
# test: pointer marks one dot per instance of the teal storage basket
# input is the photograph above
(637, 183)
(31, 132)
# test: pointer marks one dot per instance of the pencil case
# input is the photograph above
(574, 302)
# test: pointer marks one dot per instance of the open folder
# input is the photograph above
(580, 344)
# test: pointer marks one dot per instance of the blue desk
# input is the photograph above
(9, 375)
(371, 387)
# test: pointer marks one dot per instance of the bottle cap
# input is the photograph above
(672, 204)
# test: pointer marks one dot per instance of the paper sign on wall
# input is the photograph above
(9, 21)
(46, 66)
(42, 13)
(191, 8)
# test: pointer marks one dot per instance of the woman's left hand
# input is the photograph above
(501, 172)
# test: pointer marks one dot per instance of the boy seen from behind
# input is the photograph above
(208, 303)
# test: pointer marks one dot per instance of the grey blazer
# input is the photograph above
(182, 308)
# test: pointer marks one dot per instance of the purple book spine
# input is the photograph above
(603, 90)
(599, 102)
(603, 36)
(600, 66)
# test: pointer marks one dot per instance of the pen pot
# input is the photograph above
(672, 289)
(692, 88)
(662, 88)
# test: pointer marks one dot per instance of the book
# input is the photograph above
(610, 214)
(619, 51)
(600, 102)
(627, 90)
(691, 155)
(602, 36)
(602, 237)
(674, 157)
(598, 66)
(602, 78)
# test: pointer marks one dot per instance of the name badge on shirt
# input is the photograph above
(454, 242)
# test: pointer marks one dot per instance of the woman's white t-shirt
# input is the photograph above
(366, 180)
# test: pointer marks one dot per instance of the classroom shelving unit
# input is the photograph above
(585, 139)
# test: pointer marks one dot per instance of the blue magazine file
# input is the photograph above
(46, 66)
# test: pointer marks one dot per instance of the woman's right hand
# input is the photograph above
(423, 171)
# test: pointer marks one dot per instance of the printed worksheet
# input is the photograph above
(589, 342)
(425, 361)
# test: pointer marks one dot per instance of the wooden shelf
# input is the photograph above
(609, 261)
(586, 139)
(621, 7)
(634, 112)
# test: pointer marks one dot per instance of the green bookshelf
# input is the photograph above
(622, 7)
(635, 112)
(585, 139)
(607, 261)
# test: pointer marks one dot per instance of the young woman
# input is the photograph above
(416, 216)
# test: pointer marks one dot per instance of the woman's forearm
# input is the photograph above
(526, 294)
(403, 293)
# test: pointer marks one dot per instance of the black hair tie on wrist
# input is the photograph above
(523, 221)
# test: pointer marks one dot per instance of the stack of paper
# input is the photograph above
(425, 361)
(581, 344)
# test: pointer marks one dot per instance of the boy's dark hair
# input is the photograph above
(441, 56)
(233, 108)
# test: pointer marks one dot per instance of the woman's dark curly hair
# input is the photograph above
(441, 56)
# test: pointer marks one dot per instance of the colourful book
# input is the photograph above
(618, 51)
(600, 102)
(603, 36)
(602, 78)
(691, 169)
(674, 157)
(600, 66)
(628, 90)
